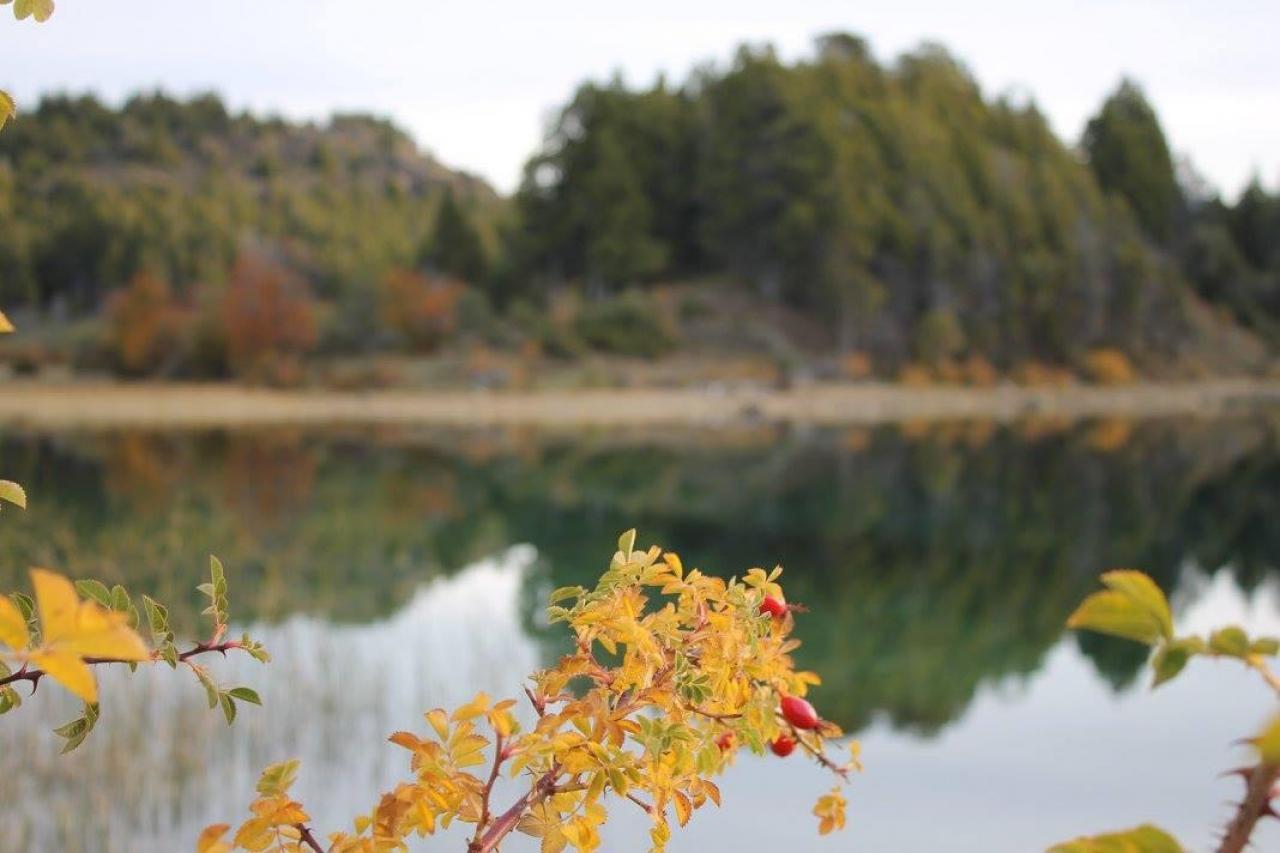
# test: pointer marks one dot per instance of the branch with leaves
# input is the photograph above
(1134, 608)
(672, 674)
(67, 629)
(37, 10)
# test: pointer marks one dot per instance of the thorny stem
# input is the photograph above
(498, 758)
(307, 838)
(543, 788)
(1255, 806)
(822, 759)
(34, 675)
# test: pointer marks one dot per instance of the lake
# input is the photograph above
(390, 570)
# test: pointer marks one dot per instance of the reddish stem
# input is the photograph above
(507, 821)
(34, 675)
(1255, 805)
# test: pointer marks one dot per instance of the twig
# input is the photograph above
(1265, 671)
(507, 821)
(307, 838)
(641, 803)
(822, 759)
(34, 675)
(498, 758)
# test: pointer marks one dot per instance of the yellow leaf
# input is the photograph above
(210, 841)
(439, 721)
(7, 111)
(68, 624)
(13, 628)
(474, 708)
(12, 492)
(70, 671)
(1268, 742)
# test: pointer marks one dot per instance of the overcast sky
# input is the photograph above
(475, 81)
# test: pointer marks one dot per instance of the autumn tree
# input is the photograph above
(268, 318)
(422, 308)
(146, 325)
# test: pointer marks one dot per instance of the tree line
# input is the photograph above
(908, 216)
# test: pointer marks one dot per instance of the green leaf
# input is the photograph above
(1132, 607)
(565, 592)
(1231, 641)
(1142, 839)
(246, 694)
(627, 543)
(1268, 742)
(1265, 646)
(278, 778)
(1168, 662)
(96, 590)
(78, 729)
(9, 490)
(228, 707)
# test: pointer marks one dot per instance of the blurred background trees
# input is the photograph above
(900, 213)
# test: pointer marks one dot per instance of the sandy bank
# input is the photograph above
(180, 406)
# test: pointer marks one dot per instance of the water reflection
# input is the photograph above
(163, 766)
(942, 560)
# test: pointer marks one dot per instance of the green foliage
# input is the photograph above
(92, 195)
(455, 247)
(897, 203)
(1128, 153)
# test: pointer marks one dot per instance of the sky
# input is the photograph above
(476, 82)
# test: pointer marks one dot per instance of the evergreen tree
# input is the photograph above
(1130, 157)
(455, 248)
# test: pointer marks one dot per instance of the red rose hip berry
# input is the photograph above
(773, 606)
(799, 713)
(783, 746)
(725, 741)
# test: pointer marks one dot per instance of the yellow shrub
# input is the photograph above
(1108, 366)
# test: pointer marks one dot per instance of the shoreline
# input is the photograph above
(194, 406)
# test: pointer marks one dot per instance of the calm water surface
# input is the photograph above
(391, 571)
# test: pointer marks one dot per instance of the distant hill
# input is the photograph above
(90, 195)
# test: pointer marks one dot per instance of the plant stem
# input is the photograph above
(507, 821)
(488, 789)
(34, 675)
(307, 838)
(1255, 805)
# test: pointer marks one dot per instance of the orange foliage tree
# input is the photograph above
(145, 325)
(422, 308)
(268, 318)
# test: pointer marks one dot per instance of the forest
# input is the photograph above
(886, 216)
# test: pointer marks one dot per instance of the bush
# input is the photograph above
(980, 372)
(146, 326)
(268, 319)
(423, 309)
(855, 366)
(630, 324)
(1107, 366)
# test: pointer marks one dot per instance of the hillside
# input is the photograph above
(90, 196)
